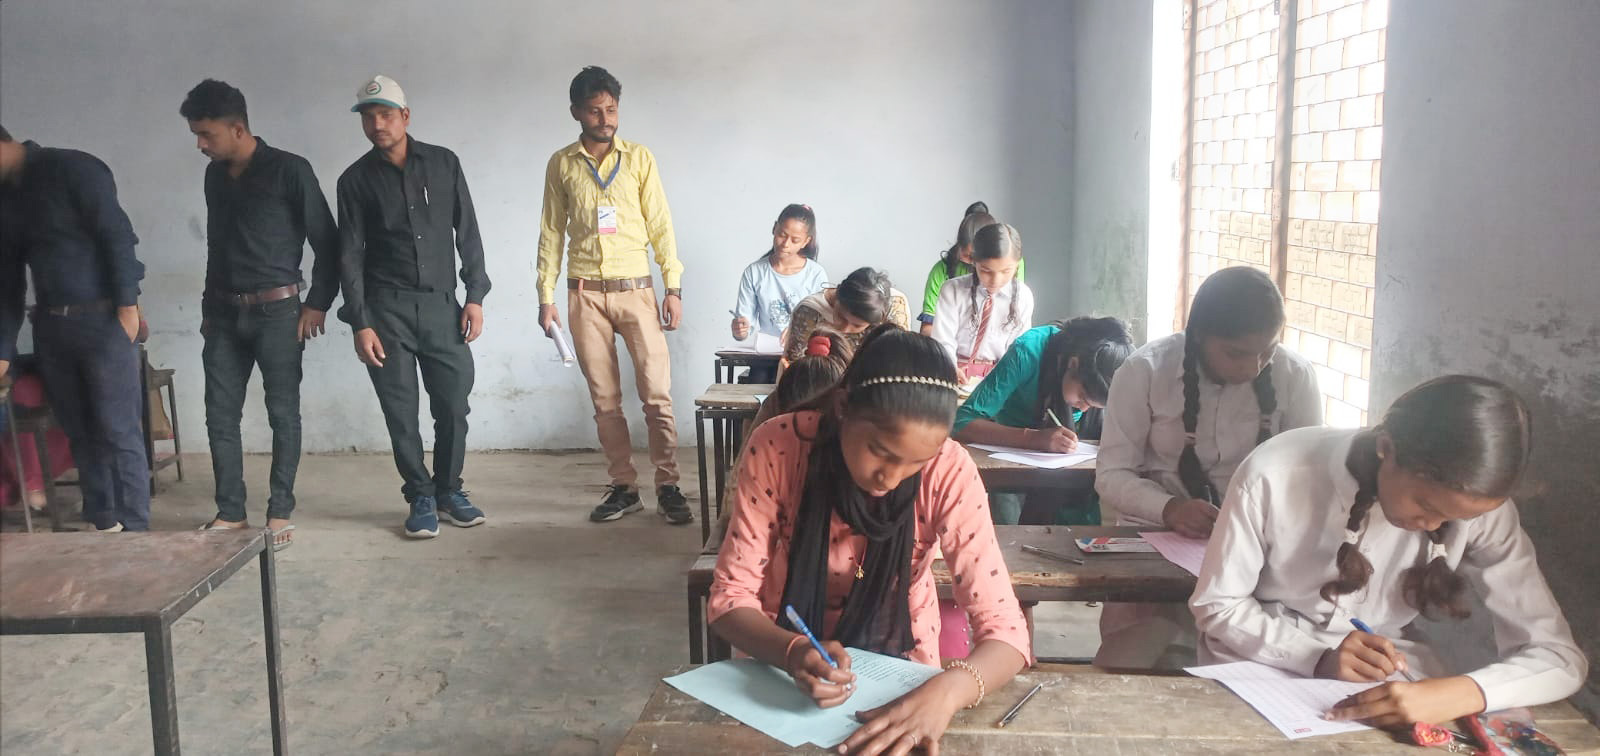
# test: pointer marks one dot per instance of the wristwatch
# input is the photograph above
(675, 293)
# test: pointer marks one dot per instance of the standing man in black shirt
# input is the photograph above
(59, 217)
(262, 205)
(404, 212)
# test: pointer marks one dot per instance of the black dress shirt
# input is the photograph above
(62, 221)
(401, 228)
(257, 226)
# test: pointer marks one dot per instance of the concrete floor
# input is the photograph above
(537, 632)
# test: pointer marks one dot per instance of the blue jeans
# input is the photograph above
(237, 340)
(91, 377)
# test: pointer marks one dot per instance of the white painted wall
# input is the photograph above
(887, 117)
(1488, 259)
(1111, 160)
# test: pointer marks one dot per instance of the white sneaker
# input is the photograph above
(117, 528)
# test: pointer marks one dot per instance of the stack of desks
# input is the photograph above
(727, 407)
(1080, 710)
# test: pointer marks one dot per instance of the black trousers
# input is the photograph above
(91, 377)
(239, 339)
(421, 331)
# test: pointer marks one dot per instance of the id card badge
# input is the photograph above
(606, 220)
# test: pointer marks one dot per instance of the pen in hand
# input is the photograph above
(1405, 669)
(800, 624)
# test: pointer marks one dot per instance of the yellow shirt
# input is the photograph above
(572, 200)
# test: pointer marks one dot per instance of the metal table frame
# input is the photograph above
(728, 363)
(727, 423)
(157, 632)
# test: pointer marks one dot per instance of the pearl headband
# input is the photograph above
(935, 382)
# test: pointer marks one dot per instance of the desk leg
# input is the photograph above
(697, 634)
(163, 693)
(719, 460)
(269, 617)
(705, 491)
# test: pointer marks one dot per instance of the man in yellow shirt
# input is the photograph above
(604, 195)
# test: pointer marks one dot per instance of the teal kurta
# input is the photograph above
(1009, 395)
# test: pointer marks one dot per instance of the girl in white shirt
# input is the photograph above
(1183, 412)
(1325, 526)
(981, 313)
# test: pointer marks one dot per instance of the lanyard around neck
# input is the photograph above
(594, 170)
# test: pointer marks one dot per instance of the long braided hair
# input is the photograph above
(1100, 345)
(1468, 434)
(898, 377)
(994, 242)
(1231, 303)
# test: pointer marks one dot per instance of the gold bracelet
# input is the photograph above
(962, 663)
(788, 651)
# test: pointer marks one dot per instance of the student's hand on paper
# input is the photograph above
(827, 686)
(1361, 657)
(548, 315)
(671, 312)
(1191, 518)
(741, 329)
(471, 322)
(313, 323)
(915, 720)
(1401, 704)
(1056, 440)
(369, 349)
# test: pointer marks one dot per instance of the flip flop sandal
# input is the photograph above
(276, 546)
(212, 525)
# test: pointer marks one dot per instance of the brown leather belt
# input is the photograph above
(259, 297)
(84, 308)
(610, 285)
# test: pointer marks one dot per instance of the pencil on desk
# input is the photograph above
(1010, 715)
(1031, 549)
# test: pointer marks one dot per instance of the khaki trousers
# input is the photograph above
(596, 320)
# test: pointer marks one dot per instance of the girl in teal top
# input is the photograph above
(956, 261)
(1064, 368)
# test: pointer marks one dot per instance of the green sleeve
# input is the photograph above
(930, 293)
(1022, 270)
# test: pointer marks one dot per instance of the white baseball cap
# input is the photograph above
(380, 90)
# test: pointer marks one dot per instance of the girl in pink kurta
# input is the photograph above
(836, 511)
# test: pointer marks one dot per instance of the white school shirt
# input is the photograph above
(1273, 548)
(767, 297)
(1137, 470)
(955, 322)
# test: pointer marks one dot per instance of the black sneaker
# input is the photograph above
(619, 501)
(671, 505)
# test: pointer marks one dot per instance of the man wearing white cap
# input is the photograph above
(404, 213)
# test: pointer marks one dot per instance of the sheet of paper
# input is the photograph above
(1292, 704)
(1084, 453)
(760, 398)
(1187, 553)
(765, 698)
(758, 343)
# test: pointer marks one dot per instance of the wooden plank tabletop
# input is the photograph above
(734, 395)
(69, 582)
(1080, 711)
(747, 357)
(998, 474)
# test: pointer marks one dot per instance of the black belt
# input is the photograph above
(82, 308)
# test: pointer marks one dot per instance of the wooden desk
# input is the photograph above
(1102, 577)
(728, 362)
(1080, 711)
(135, 583)
(1000, 475)
(726, 406)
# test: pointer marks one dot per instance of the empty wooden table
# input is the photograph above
(728, 362)
(726, 406)
(135, 583)
(1080, 710)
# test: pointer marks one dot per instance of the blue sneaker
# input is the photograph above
(459, 511)
(424, 521)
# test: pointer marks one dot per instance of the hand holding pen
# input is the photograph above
(1363, 656)
(1059, 441)
(821, 670)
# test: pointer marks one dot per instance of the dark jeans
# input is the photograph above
(91, 377)
(423, 330)
(237, 339)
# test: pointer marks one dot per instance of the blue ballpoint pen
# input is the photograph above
(1363, 627)
(800, 624)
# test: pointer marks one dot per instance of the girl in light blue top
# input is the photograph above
(789, 272)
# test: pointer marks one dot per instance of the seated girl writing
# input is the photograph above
(1322, 527)
(836, 512)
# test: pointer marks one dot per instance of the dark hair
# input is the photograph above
(593, 80)
(977, 217)
(1468, 434)
(804, 214)
(1232, 302)
(865, 294)
(5, 136)
(992, 242)
(920, 387)
(1101, 346)
(214, 100)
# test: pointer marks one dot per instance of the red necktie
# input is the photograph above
(983, 328)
